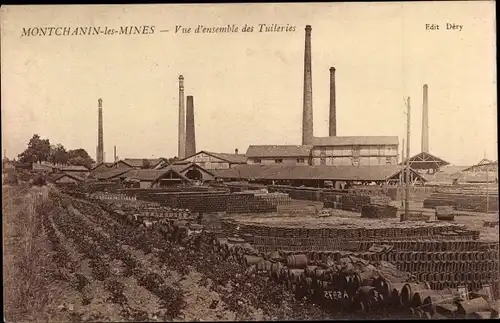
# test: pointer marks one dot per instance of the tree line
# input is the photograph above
(40, 150)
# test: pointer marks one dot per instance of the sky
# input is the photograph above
(247, 86)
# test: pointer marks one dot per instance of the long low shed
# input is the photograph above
(320, 172)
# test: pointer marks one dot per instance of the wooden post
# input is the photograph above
(401, 177)
(487, 191)
(407, 191)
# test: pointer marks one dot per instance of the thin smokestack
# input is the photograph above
(307, 113)
(425, 121)
(182, 120)
(100, 135)
(114, 154)
(333, 105)
(190, 129)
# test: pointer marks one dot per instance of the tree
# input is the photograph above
(79, 157)
(146, 164)
(58, 155)
(38, 150)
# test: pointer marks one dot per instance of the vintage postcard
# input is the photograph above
(214, 162)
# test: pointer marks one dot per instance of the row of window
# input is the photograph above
(356, 159)
(279, 161)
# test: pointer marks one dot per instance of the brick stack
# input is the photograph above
(463, 201)
(248, 203)
(275, 199)
(377, 211)
(348, 202)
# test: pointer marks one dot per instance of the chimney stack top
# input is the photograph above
(332, 69)
(308, 28)
(181, 77)
(100, 103)
(236, 151)
(425, 85)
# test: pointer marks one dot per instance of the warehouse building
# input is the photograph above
(192, 171)
(278, 154)
(209, 160)
(317, 176)
(355, 151)
(329, 151)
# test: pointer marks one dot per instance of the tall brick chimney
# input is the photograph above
(307, 113)
(425, 122)
(333, 105)
(190, 128)
(182, 121)
(100, 135)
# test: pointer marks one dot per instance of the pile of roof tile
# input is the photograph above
(378, 211)
(463, 202)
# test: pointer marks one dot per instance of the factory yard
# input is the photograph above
(73, 258)
(302, 214)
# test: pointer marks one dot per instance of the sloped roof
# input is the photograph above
(109, 165)
(165, 173)
(256, 151)
(452, 169)
(183, 166)
(231, 158)
(425, 160)
(74, 168)
(143, 174)
(355, 141)
(483, 166)
(109, 174)
(45, 166)
(321, 172)
(59, 176)
(137, 162)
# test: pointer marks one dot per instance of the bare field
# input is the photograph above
(89, 265)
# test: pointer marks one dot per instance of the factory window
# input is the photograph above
(278, 161)
(257, 160)
(388, 160)
(301, 160)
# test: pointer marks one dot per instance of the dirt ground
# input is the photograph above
(303, 214)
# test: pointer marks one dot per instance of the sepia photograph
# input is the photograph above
(249, 162)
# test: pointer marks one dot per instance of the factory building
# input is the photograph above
(328, 151)
(355, 151)
(210, 160)
(278, 154)
(317, 176)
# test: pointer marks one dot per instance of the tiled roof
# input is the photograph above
(109, 165)
(109, 174)
(425, 160)
(137, 162)
(143, 174)
(182, 166)
(231, 158)
(260, 151)
(321, 172)
(355, 141)
(74, 168)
